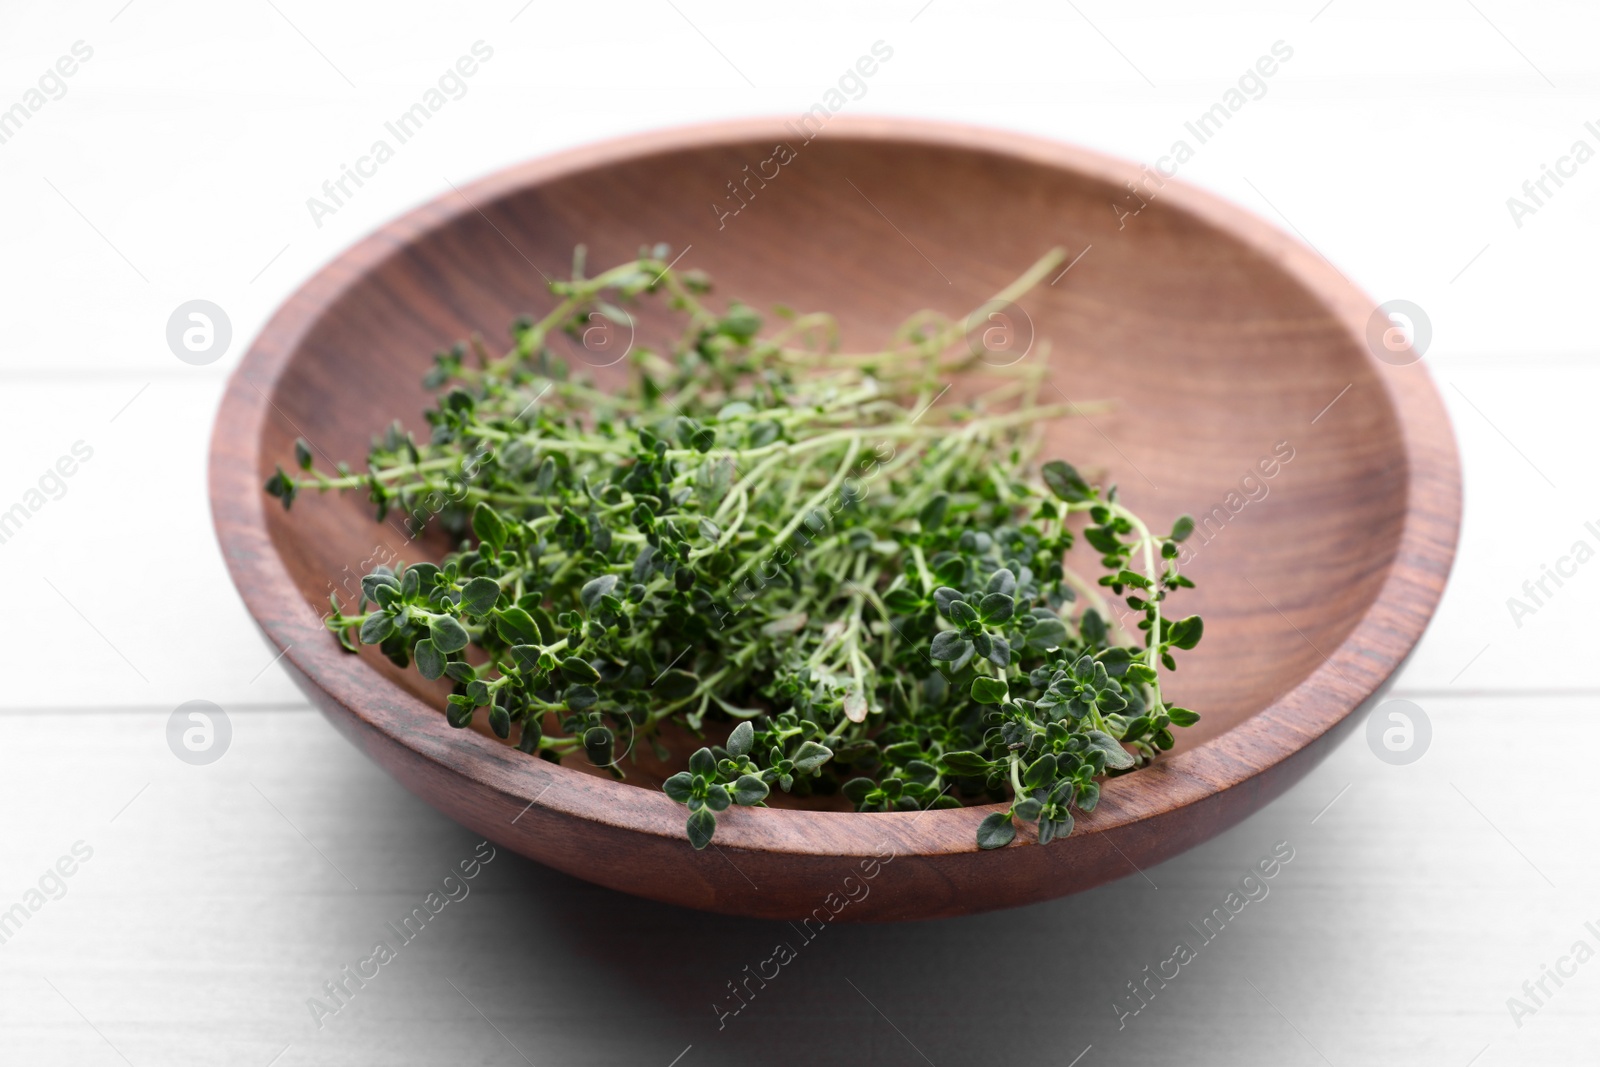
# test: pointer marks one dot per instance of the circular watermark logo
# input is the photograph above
(198, 332)
(603, 339)
(1399, 332)
(999, 333)
(616, 760)
(1399, 732)
(198, 732)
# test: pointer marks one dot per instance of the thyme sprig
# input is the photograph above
(757, 530)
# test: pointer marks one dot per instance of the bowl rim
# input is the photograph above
(1344, 679)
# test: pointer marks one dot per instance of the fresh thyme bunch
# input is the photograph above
(759, 529)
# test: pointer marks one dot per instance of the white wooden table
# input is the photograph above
(207, 904)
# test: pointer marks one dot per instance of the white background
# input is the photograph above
(177, 166)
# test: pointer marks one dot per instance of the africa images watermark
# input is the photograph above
(353, 977)
(1210, 522)
(51, 885)
(1253, 889)
(1251, 85)
(1538, 591)
(853, 82)
(451, 85)
(1253, 489)
(852, 890)
(51, 85)
(51, 485)
(1536, 992)
(1213, 520)
(1537, 191)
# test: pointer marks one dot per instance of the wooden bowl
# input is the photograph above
(1231, 339)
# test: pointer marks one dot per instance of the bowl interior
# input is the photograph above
(1223, 361)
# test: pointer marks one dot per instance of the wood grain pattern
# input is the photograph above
(1232, 338)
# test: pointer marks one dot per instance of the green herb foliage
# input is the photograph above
(751, 527)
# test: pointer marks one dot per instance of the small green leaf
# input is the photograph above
(448, 635)
(542, 620)
(742, 322)
(1064, 481)
(749, 789)
(526, 658)
(379, 576)
(740, 740)
(1127, 577)
(931, 517)
(702, 825)
(712, 481)
(528, 740)
(999, 652)
(459, 713)
(376, 628)
(902, 601)
(500, 721)
(949, 645)
(1040, 771)
(996, 607)
(1050, 829)
(811, 756)
(679, 787)
(857, 788)
(517, 627)
(1182, 528)
(479, 596)
(967, 764)
(1002, 581)
(1117, 757)
(488, 526)
(579, 670)
(676, 685)
(1185, 633)
(1047, 633)
(986, 690)
(1102, 540)
(1182, 716)
(703, 762)
(597, 745)
(596, 588)
(1140, 674)
(302, 454)
(282, 486)
(429, 661)
(996, 830)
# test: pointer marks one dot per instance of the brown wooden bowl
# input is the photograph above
(1231, 338)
